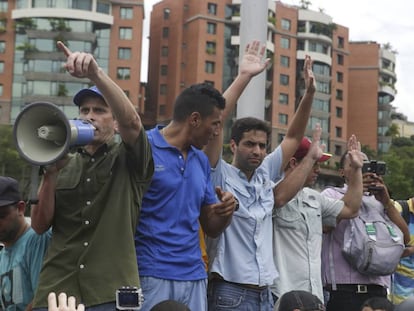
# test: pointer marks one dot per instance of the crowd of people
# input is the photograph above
(140, 212)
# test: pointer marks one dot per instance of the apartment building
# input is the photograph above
(372, 81)
(31, 66)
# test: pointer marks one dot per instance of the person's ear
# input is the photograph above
(21, 206)
(195, 119)
(233, 146)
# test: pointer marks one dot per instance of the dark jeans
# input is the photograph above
(224, 296)
(349, 301)
(102, 307)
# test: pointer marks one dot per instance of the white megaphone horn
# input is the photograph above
(43, 134)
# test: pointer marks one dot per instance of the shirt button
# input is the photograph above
(88, 180)
(81, 266)
(85, 244)
(92, 159)
(86, 222)
(88, 202)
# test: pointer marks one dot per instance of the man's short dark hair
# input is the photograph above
(202, 98)
(378, 303)
(247, 124)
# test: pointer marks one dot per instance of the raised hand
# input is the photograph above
(64, 304)
(79, 64)
(310, 82)
(316, 148)
(252, 62)
(354, 151)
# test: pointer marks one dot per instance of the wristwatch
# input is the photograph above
(236, 204)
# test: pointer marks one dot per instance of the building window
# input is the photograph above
(284, 79)
(338, 131)
(338, 150)
(103, 7)
(323, 87)
(339, 94)
(210, 67)
(285, 43)
(339, 77)
(339, 112)
(164, 51)
(126, 13)
(1, 89)
(209, 82)
(212, 8)
(284, 61)
(2, 46)
(283, 98)
(320, 104)
(3, 6)
(211, 28)
(340, 59)
(124, 53)
(125, 33)
(123, 73)
(319, 47)
(1, 67)
(126, 92)
(165, 32)
(285, 24)
(283, 118)
(211, 47)
(341, 42)
(163, 89)
(85, 5)
(164, 70)
(167, 12)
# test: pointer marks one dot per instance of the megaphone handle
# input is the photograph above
(34, 183)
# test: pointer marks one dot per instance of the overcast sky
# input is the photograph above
(382, 21)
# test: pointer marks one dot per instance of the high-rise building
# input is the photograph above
(372, 81)
(32, 66)
(195, 41)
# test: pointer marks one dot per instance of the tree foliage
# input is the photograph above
(10, 162)
(400, 167)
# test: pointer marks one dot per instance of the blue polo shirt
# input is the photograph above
(167, 241)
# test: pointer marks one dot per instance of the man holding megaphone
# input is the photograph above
(92, 198)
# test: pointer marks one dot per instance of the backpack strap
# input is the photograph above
(405, 210)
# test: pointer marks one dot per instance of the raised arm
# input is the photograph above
(84, 65)
(295, 180)
(381, 194)
(297, 127)
(251, 64)
(353, 196)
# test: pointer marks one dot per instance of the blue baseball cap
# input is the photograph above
(93, 91)
(9, 191)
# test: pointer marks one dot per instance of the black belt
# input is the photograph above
(218, 278)
(358, 288)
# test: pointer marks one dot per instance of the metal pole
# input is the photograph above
(253, 26)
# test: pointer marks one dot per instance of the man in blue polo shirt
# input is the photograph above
(180, 197)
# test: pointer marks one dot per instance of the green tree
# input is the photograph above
(400, 164)
(10, 162)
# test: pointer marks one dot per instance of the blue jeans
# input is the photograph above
(191, 293)
(229, 296)
(102, 307)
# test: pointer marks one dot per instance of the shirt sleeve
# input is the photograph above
(36, 250)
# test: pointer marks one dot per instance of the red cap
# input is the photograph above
(304, 148)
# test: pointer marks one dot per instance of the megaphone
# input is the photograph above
(43, 134)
